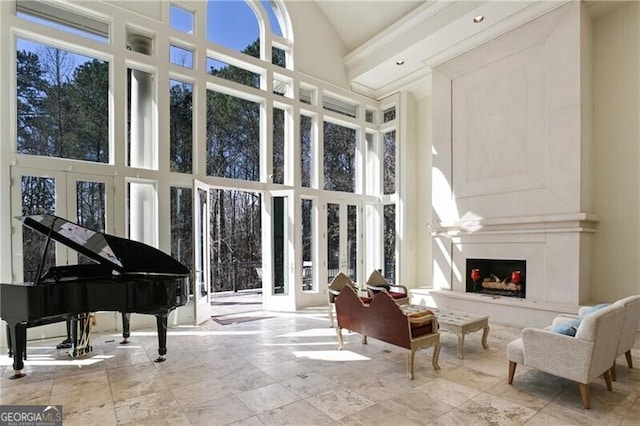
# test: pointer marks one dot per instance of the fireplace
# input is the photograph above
(501, 277)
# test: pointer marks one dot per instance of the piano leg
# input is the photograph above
(9, 346)
(161, 321)
(20, 350)
(125, 328)
(68, 342)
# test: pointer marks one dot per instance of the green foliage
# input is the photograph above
(339, 158)
(181, 127)
(62, 113)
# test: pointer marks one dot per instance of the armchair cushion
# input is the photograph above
(587, 310)
(419, 319)
(568, 328)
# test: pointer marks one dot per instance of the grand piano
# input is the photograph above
(127, 277)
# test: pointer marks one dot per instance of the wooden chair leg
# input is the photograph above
(627, 355)
(607, 379)
(512, 371)
(331, 308)
(340, 341)
(584, 393)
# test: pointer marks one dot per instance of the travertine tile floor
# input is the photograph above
(284, 369)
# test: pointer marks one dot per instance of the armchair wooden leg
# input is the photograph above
(607, 379)
(612, 370)
(627, 355)
(584, 393)
(512, 371)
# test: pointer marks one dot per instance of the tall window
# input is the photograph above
(38, 197)
(62, 103)
(308, 242)
(278, 145)
(182, 226)
(233, 137)
(181, 126)
(390, 242)
(389, 162)
(305, 151)
(339, 158)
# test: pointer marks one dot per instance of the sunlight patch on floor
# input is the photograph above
(331, 355)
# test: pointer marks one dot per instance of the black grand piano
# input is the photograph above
(128, 277)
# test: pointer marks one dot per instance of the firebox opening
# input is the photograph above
(502, 277)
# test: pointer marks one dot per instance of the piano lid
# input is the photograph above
(121, 254)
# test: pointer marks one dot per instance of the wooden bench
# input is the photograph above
(384, 319)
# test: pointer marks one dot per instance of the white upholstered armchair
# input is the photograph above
(628, 332)
(581, 358)
(629, 329)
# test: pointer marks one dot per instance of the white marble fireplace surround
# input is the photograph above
(511, 176)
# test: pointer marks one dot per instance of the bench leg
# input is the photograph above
(436, 356)
(460, 345)
(411, 355)
(485, 333)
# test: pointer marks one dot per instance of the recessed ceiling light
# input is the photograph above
(400, 62)
(478, 19)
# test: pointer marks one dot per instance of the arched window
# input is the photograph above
(234, 25)
(238, 25)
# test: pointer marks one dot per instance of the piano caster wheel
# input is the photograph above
(160, 359)
(17, 374)
(65, 344)
(124, 342)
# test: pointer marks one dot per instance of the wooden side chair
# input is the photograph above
(377, 283)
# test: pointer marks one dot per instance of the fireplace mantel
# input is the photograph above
(578, 222)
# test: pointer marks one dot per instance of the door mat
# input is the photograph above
(227, 320)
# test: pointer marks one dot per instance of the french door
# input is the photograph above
(202, 257)
(344, 239)
(82, 198)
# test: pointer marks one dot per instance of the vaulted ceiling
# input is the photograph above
(422, 34)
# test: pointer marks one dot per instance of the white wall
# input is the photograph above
(318, 49)
(420, 155)
(616, 265)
